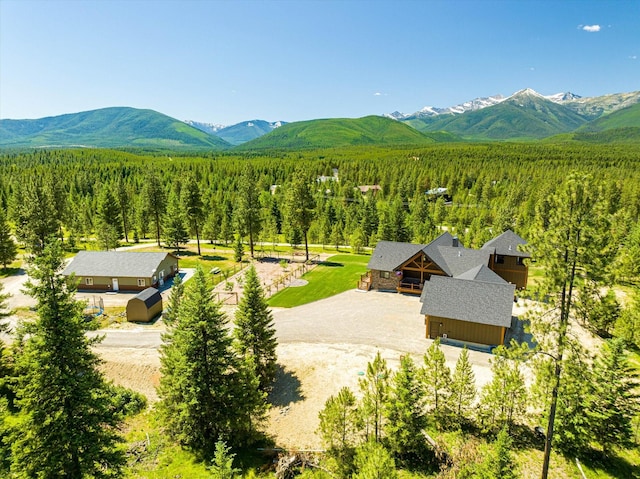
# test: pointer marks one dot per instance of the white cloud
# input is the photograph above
(591, 28)
(377, 94)
(633, 57)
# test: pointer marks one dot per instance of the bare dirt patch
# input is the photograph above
(308, 375)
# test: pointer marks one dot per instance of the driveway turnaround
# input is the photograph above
(373, 318)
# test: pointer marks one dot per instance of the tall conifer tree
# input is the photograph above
(254, 329)
(207, 393)
(66, 425)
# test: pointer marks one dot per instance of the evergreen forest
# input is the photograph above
(577, 204)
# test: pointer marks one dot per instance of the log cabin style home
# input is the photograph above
(114, 271)
(466, 294)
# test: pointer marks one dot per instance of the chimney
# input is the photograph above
(455, 242)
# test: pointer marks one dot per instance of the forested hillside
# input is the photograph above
(343, 132)
(107, 128)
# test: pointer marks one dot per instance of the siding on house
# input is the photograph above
(437, 327)
(134, 271)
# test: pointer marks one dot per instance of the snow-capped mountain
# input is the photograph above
(212, 128)
(480, 103)
(563, 97)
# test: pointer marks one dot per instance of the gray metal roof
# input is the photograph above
(507, 244)
(467, 300)
(149, 296)
(117, 264)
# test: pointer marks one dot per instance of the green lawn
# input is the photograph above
(339, 273)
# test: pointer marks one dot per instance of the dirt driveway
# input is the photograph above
(323, 346)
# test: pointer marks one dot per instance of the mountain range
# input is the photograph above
(525, 115)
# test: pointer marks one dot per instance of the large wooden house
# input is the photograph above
(467, 294)
(120, 270)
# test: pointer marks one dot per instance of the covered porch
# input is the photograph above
(415, 272)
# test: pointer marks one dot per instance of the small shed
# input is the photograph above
(145, 306)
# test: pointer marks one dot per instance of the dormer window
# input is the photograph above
(499, 259)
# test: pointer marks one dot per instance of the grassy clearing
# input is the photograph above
(153, 455)
(338, 274)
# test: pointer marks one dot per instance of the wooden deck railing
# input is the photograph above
(411, 288)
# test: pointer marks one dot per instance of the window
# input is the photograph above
(520, 261)
(499, 259)
(384, 274)
(88, 281)
(142, 282)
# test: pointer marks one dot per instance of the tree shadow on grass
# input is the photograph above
(286, 388)
(331, 264)
(613, 465)
(213, 258)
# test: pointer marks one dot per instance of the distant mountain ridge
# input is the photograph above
(590, 106)
(114, 127)
(524, 116)
(341, 132)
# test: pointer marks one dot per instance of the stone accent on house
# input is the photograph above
(382, 283)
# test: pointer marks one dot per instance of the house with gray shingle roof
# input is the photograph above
(468, 309)
(121, 270)
(466, 294)
(507, 259)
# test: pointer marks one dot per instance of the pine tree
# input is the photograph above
(614, 402)
(222, 467)
(254, 329)
(505, 397)
(8, 248)
(207, 394)
(339, 428)
(397, 221)
(67, 425)
(124, 202)
(375, 390)
(499, 462)
(175, 229)
(571, 242)
(154, 199)
(238, 249)
(463, 388)
(248, 210)
(422, 226)
(34, 213)
(173, 308)
(373, 461)
(404, 412)
(193, 207)
(436, 379)
(108, 221)
(300, 207)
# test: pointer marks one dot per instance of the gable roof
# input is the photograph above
(507, 245)
(149, 297)
(115, 264)
(389, 255)
(464, 300)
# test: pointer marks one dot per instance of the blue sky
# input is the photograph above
(229, 61)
